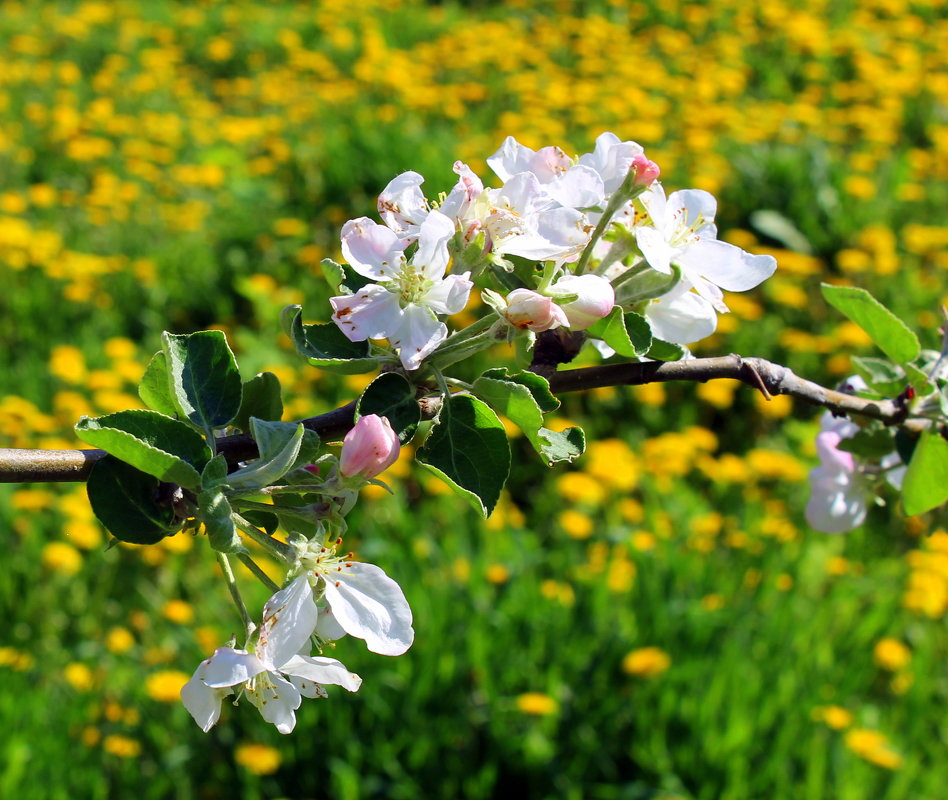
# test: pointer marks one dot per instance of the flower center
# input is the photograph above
(411, 284)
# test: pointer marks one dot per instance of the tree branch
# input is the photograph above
(27, 466)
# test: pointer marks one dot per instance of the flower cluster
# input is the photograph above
(579, 235)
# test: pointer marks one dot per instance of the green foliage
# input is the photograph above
(628, 334)
(890, 334)
(390, 395)
(926, 482)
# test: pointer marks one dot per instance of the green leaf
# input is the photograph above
(665, 351)
(919, 379)
(261, 399)
(136, 507)
(205, 382)
(262, 519)
(872, 442)
(883, 376)
(325, 346)
(391, 396)
(926, 481)
(164, 447)
(214, 472)
(218, 519)
(155, 386)
(628, 334)
(334, 274)
(565, 445)
(891, 335)
(538, 385)
(279, 445)
(468, 448)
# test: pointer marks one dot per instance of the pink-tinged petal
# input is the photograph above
(372, 250)
(324, 671)
(371, 313)
(681, 317)
(276, 699)
(468, 188)
(533, 311)
(827, 443)
(511, 158)
(202, 702)
(450, 295)
(418, 335)
(837, 504)
(229, 667)
(369, 448)
(596, 299)
(655, 203)
(580, 187)
(549, 163)
(432, 254)
(289, 619)
(726, 265)
(658, 253)
(371, 606)
(402, 205)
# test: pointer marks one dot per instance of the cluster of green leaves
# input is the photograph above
(162, 471)
(919, 379)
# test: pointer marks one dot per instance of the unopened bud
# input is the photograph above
(646, 172)
(369, 448)
(596, 298)
(530, 310)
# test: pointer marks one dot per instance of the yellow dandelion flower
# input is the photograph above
(119, 640)
(561, 592)
(578, 487)
(178, 611)
(165, 685)
(86, 535)
(62, 558)
(78, 676)
(576, 524)
(536, 704)
(873, 747)
(712, 602)
(646, 662)
(497, 573)
(891, 654)
(121, 746)
(259, 759)
(835, 717)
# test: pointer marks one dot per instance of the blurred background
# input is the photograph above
(654, 621)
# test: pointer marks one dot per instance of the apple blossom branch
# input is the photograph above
(27, 466)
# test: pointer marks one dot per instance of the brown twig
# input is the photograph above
(27, 466)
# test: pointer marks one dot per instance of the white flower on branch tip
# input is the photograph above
(683, 233)
(362, 600)
(273, 674)
(403, 306)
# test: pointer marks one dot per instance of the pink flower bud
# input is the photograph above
(369, 448)
(646, 172)
(596, 299)
(528, 309)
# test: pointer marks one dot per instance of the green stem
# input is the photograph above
(282, 551)
(252, 565)
(627, 191)
(249, 626)
(472, 339)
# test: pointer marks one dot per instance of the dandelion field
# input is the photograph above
(654, 621)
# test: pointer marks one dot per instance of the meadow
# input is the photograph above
(653, 621)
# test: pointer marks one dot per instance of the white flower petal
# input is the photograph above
(276, 699)
(510, 158)
(324, 671)
(289, 619)
(371, 313)
(402, 205)
(372, 250)
(229, 667)
(202, 702)
(418, 335)
(369, 605)
(656, 249)
(433, 237)
(327, 626)
(681, 317)
(837, 501)
(450, 295)
(579, 187)
(726, 265)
